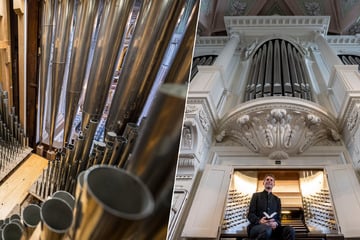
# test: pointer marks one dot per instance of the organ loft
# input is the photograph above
(275, 94)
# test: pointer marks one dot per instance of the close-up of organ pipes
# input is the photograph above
(86, 40)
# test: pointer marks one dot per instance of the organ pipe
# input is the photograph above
(277, 88)
(255, 76)
(155, 163)
(46, 38)
(157, 21)
(83, 32)
(111, 30)
(162, 127)
(278, 69)
(299, 72)
(61, 43)
(260, 80)
(268, 72)
(285, 71)
(294, 77)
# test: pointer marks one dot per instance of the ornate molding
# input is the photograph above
(199, 109)
(247, 25)
(279, 127)
(347, 40)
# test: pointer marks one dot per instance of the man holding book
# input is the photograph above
(264, 215)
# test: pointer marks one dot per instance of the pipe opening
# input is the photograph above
(56, 214)
(31, 215)
(121, 193)
(12, 231)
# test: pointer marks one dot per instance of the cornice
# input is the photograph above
(343, 40)
(255, 25)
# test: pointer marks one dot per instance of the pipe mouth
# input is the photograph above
(12, 231)
(57, 215)
(66, 196)
(31, 215)
(120, 193)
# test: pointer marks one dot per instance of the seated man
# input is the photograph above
(262, 204)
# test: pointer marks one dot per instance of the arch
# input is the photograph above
(278, 69)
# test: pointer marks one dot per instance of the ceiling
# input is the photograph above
(344, 14)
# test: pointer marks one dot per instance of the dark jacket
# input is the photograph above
(264, 202)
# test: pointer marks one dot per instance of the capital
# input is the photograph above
(235, 35)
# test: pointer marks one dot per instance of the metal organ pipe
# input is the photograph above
(156, 150)
(157, 21)
(61, 43)
(111, 30)
(155, 163)
(294, 77)
(46, 38)
(260, 80)
(89, 132)
(277, 88)
(285, 70)
(268, 72)
(115, 217)
(83, 31)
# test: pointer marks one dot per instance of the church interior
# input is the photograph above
(273, 90)
(143, 119)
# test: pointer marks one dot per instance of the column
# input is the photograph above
(226, 54)
(328, 54)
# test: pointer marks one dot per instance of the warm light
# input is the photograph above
(312, 184)
(285, 212)
(244, 184)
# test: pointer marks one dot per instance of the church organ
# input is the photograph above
(309, 211)
(278, 69)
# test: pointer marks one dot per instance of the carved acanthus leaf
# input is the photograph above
(278, 129)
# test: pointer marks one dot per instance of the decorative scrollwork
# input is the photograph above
(278, 129)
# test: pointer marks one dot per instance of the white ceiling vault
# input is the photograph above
(344, 14)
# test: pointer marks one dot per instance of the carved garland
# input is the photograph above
(278, 130)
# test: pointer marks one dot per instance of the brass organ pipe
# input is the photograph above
(61, 43)
(157, 21)
(31, 218)
(88, 140)
(142, 163)
(111, 30)
(46, 39)
(55, 228)
(69, 153)
(109, 141)
(79, 148)
(119, 145)
(114, 216)
(99, 152)
(162, 128)
(131, 134)
(83, 31)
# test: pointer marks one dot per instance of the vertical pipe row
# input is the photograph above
(278, 69)
(113, 21)
(86, 17)
(149, 43)
(47, 24)
(64, 17)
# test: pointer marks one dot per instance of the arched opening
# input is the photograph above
(278, 69)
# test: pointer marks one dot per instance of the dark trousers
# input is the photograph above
(264, 232)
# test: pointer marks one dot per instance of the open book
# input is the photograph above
(269, 216)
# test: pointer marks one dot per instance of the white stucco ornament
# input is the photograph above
(279, 128)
